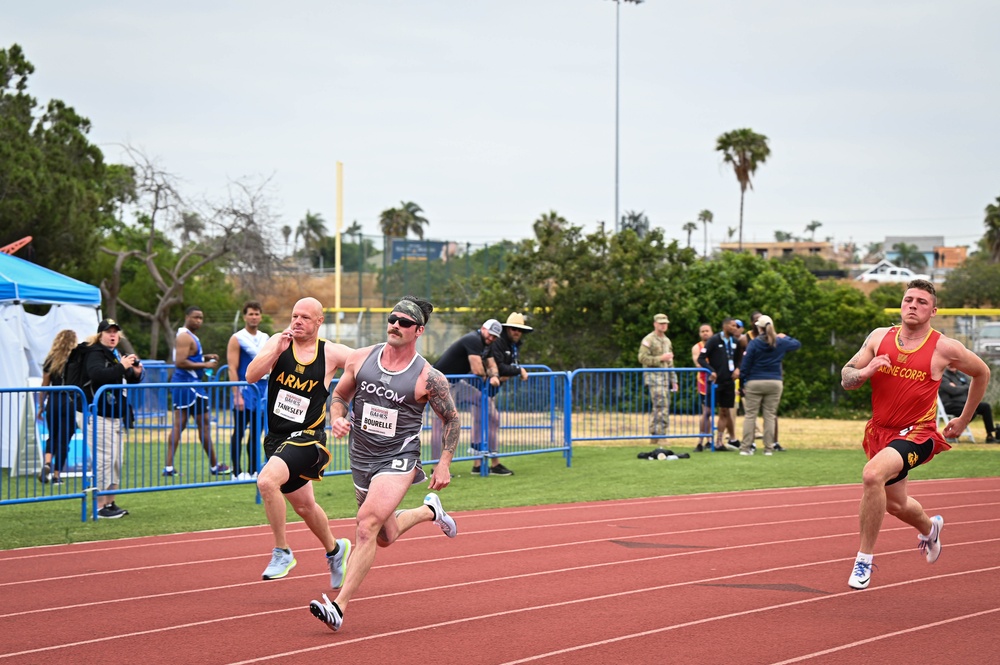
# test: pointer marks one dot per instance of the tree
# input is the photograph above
(783, 236)
(236, 238)
(312, 230)
(286, 231)
(636, 221)
(730, 232)
(811, 228)
(909, 256)
(873, 252)
(690, 227)
(549, 222)
(745, 150)
(191, 227)
(400, 222)
(705, 217)
(992, 237)
(54, 183)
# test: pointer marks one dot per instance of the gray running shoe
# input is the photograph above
(338, 563)
(328, 612)
(441, 518)
(281, 563)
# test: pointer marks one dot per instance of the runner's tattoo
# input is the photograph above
(439, 396)
(339, 402)
(850, 375)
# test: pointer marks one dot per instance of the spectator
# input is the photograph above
(58, 408)
(656, 350)
(505, 351)
(105, 366)
(466, 356)
(243, 347)
(721, 356)
(190, 364)
(761, 374)
(954, 392)
(705, 423)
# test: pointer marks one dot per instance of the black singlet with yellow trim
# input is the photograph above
(297, 394)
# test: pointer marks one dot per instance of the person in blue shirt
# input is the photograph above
(761, 373)
(243, 347)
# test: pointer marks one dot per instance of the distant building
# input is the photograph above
(771, 250)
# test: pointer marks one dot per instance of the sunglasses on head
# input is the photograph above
(402, 323)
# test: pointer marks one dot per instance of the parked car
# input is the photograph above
(987, 344)
(891, 274)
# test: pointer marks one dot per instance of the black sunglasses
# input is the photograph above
(402, 323)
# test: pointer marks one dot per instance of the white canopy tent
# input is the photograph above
(26, 338)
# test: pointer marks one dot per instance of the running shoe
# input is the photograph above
(500, 470)
(281, 564)
(45, 473)
(169, 471)
(328, 612)
(111, 512)
(441, 518)
(861, 576)
(219, 470)
(930, 545)
(338, 563)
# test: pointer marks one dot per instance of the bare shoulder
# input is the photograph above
(338, 353)
(430, 382)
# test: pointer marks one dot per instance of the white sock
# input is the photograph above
(168, 468)
(865, 558)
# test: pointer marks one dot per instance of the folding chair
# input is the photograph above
(943, 418)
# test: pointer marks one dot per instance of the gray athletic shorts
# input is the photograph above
(363, 473)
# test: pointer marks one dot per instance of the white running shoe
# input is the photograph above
(281, 564)
(441, 518)
(861, 576)
(930, 545)
(328, 612)
(338, 563)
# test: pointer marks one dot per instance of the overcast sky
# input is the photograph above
(881, 114)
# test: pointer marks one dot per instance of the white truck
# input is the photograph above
(890, 274)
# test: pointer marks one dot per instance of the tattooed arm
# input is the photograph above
(864, 363)
(438, 394)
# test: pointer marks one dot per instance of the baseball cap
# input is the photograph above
(739, 323)
(493, 327)
(660, 318)
(108, 323)
(763, 321)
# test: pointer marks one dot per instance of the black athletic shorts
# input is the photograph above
(913, 454)
(725, 395)
(305, 454)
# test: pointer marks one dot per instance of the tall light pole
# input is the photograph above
(618, 4)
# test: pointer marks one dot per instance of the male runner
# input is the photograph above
(905, 364)
(301, 367)
(389, 384)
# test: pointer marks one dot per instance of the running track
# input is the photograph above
(749, 577)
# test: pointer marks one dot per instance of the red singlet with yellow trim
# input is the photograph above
(904, 396)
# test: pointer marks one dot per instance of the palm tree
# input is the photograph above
(690, 227)
(399, 222)
(909, 256)
(745, 150)
(354, 229)
(286, 231)
(730, 232)
(637, 221)
(191, 227)
(873, 252)
(549, 221)
(705, 217)
(811, 228)
(783, 236)
(312, 229)
(992, 237)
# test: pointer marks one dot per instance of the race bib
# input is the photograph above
(379, 420)
(291, 406)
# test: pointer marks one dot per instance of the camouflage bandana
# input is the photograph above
(411, 309)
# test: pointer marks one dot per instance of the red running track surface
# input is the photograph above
(662, 580)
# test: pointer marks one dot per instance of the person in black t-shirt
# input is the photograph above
(468, 356)
(722, 355)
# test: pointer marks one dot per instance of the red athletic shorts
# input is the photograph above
(877, 437)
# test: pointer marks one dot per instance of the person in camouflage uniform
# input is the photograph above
(657, 351)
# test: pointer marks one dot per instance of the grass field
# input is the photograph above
(820, 452)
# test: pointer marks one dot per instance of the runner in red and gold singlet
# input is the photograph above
(904, 364)
(904, 397)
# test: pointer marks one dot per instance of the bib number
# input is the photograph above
(291, 406)
(379, 420)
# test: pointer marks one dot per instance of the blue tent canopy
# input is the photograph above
(31, 284)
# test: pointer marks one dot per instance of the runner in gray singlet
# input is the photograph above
(385, 422)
